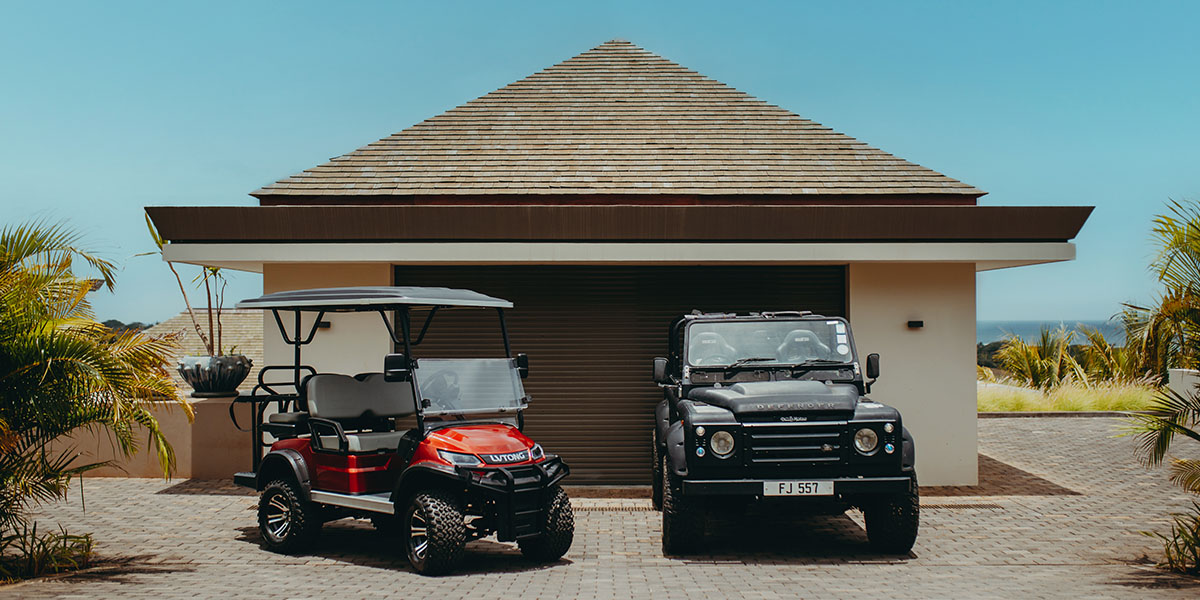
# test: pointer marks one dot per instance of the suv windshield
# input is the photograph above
(469, 385)
(767, 342)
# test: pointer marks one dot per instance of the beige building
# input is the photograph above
(611, 192)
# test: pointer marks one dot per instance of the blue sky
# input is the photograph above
(109, 107)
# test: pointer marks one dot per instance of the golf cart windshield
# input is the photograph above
(465, 386)
(768, 342)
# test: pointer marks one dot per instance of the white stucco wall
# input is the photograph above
(354, 343)
(928, 373)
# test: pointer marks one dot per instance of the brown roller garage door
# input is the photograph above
(590, 333)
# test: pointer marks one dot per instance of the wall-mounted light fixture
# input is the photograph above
(916, 324)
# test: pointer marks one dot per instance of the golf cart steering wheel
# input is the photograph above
(717, 359)
(441, 389)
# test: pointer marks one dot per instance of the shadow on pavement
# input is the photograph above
(207, 487)
(816, 540)
(1000, 479)
(121, 569)
(356, 542)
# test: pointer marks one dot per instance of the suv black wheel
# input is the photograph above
(287, 522)
(892, 521)
(558, 527)
(656, 483)
(435, 532)
(683, 522)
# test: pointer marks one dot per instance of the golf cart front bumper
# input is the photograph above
(843, 487)
(521, 493)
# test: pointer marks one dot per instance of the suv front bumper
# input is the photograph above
(842, 486)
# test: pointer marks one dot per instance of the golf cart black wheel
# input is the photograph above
(656, 482)
(435, 532)
(683, 521)
(558, 530)
(893, 520)
(286, 521)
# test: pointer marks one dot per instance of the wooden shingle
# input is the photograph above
(616, 119)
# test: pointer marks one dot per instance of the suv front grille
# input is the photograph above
(794, 444)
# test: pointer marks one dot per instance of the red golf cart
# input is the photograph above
(428, 448)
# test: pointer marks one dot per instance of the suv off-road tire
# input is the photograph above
(558, 530)
(286, 521)
(893, 520)
(444, 535)
(656, 482)
(683, 522)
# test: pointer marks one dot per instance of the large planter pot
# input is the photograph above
(214, 376)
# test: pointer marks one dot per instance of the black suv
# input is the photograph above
(772, 408)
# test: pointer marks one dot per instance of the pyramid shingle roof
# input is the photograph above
(619, 120)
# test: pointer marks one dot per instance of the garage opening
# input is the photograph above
(591, 332)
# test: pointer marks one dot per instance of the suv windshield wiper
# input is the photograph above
(819, 361)
(742, 362)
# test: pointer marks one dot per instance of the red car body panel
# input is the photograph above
(376, 472)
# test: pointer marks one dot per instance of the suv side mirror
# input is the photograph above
(873, 366)
(396, 368)
(522, 361)
(660, 370)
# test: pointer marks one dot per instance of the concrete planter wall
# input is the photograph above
(208, 448)
(1183, 381)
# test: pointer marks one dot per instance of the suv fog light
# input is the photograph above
(866, 440)
(700, 431)
(721, 443)
(888, 428)
(699, 451)
(889, 448)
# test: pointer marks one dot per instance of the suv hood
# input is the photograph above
(829, 401)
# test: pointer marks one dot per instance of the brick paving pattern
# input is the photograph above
(1057, 515)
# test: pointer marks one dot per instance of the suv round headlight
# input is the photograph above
(866, 440)
(721, 443)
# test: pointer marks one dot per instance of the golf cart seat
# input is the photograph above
(339, 402)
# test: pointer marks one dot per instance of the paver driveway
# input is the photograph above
(1057, 516)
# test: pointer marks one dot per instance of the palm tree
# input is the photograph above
(1045, 364)
(1170, 337)
(61, 371)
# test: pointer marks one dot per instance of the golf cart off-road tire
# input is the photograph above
(301, 520)
(893, 520)
(558, 530)
(445, 534)
(683, 521)
(656, 482)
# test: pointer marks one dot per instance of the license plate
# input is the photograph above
(797, 488)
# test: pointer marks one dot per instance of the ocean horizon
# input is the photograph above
(987, 332)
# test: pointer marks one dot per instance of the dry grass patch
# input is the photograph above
(1066, 397)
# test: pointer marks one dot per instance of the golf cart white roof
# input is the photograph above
(371, 298)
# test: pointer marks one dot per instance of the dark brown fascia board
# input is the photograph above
(956, 199)
(358, 223)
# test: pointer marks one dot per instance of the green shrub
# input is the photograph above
(1181, 548)
(24, 553)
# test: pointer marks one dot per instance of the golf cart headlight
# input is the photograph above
(866, 440)
(888, 428)
(459, 459)
(721, 443)
(536, 452)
